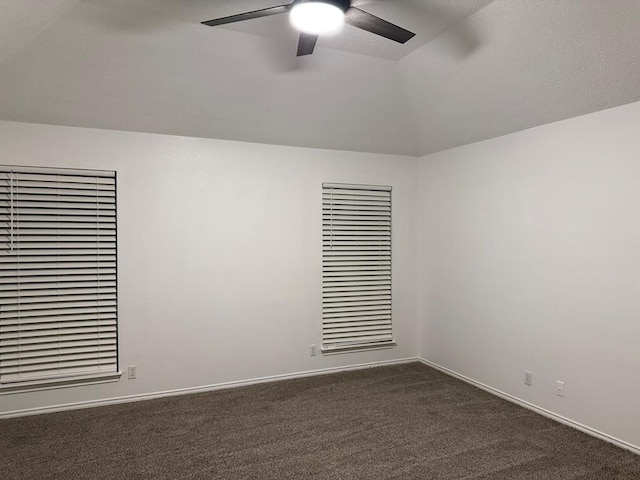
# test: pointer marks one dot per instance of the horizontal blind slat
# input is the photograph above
(356, 339)
(71, 270)
(43, 341)
(28, 188)
(63, 251)
(329, 307)
(49, 302)
(35, 296)
(357, 189)
(8, 269)
(345, 324)
(70, 346)
(51, 333)
(59, 238)
(359, 295)
(68, 278)
(57, 257)
(26, 329)
(59, 175)
(30, 316)
(48, 288)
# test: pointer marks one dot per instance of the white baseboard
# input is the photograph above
(200, 389)
(542, 411)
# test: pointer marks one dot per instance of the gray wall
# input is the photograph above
(219, 254)
(529, 251)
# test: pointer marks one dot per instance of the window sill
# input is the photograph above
(23, 387)
(357, 348)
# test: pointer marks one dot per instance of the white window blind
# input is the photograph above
(58, 315)
(356, 267)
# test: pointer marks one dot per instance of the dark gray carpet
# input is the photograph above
(400, 422)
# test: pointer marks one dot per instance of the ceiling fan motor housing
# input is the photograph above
(341, 4)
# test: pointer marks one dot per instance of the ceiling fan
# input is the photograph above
(313, 17)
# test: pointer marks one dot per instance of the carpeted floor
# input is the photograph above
(399, 422)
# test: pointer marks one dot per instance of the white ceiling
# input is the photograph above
(148, 65)
(23, 20)
(427, 18)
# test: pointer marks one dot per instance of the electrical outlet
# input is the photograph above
(528, 378)
(132, 372)
(313, 350)
(560, 388)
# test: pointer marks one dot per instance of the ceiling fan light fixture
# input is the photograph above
(317, 16)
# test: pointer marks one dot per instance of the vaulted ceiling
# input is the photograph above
(475, 70)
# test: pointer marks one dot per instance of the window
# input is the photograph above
(356, 267)
(58, 300)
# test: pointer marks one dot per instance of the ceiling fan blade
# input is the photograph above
(264, 12)
(463, 38)
(365, 21)
(306, 44)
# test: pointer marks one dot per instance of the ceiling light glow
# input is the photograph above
(316, 17)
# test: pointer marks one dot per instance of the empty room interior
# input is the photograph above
(384, 239)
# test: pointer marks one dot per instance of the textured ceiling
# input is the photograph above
(23, 20)
(427, 18)
(149, 66)
(540, 61)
